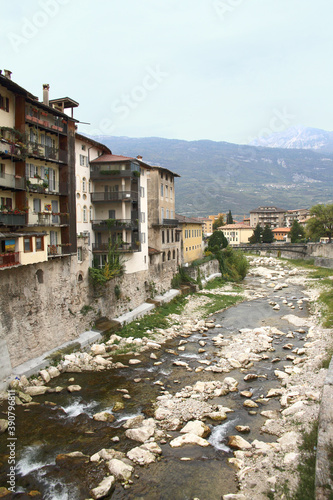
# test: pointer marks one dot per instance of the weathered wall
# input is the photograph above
(211, 267)
(44, 305)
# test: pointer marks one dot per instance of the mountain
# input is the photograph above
(218, 176)
(298, 138)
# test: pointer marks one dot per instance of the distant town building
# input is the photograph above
(237, 233)
(267, 216)
(191, 238)
(207, 225)
(302, 215)
(281, 233)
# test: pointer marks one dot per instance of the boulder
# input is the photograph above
(119, 469)
(133, 422)
(118, 406)
(34, 390)
(97, 349)
(73, 388)
(196, 427)
(152, 447)
(53, 372)
(248, 403)
(142, 433)
(141, 456)
(239, 443)
(134, 361)
(103, 488)
(244, 429)
(45, 376)
(104, 416)
(3, 425)
(188, 438)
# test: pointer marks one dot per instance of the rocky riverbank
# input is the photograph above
(187, 417)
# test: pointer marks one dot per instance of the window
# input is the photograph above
(142, 192)
(169, 255)
(84, 184)
(163, 241)
(27, 243)
(4, 103)
(85, 214)
(83, 161)
(162, 190)
(2, 170)
(162, 214)
(186, 232)
(172, 235)
(168, 236)
(79, 254)
(33, 170)
(83, 147)
(90, 213)
(171, 193)
(166, 192)
(37, 205)
(174, 254)
(163, 257)
(167, 213)
(89, 186)
(143, 217)
(39, 243)
(143, 237)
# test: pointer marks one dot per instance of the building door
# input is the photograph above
(55, 209)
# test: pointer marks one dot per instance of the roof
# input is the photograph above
(14, 87)
(188, 220)
(236, 226)
(67, 101)
(268, 209)
(18, 235)
(165, 169)
(92, 142)
(153, 251)
(281, 230)
(110, 158)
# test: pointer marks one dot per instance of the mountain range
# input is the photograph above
(298, 138)
(221, 176)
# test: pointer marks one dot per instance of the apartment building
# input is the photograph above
(281, 234)
(191, 239)
(37, 176)
(237, 233)
(207, 225)
(267, 216)
(302, 215)
(119, 210)
(163, 227)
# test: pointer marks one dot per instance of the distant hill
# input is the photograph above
(299, 138)
(218, 176)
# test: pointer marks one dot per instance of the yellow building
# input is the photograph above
(191, 240)
(281, 233)
(237, 233)
(214, 218)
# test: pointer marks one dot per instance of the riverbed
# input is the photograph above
(257, 346)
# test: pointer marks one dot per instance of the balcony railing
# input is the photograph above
(12, 181)
(47, 152)
(102, 172)
(47, 219)
(114, 196)
(46, 120)
(12, 219)
(114, 224)
(9, 259)
(124, 248)
(166, 222)
(58, 250)
(10, 149)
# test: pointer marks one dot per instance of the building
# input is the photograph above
(207, 226)
(302, 215)
(267, 216)
(163, 227)
(237, 234)
(191, 239)
(119, 210)
(281, 233)
(214, 218)
(37, 176)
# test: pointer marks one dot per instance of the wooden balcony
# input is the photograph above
(9, 259)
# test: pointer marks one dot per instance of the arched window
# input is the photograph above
(89, 186)
(84, 184)
(85, 215)
(174, 254)
(90, 213)
(169, 255)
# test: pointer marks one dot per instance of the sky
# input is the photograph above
(224, 70)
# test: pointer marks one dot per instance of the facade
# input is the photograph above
(214, 218)
(237, 234)
(37, 165)
(281, 233)
(191, 239)
(302, 215)
(267, 216)
(119, 210)
(163, 227)
(207, 226)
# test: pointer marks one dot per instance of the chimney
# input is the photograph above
(139, 157)
(8, 74)
(46, 88)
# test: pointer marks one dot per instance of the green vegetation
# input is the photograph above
(85, 309)
(56, 356)
(114, 266)
(233, 264)
(321, 222)
(218, 223)
(297, 233)
(182, 278)
(267, 235)
(257, 235)
(217, 241)
(307, 465)
(117, 291)
(204, 259)
(218, 302)
(230, 220)
(157, 319)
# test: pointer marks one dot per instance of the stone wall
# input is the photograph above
(206, 269)
(45, 305)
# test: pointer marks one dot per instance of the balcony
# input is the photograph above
(102, 172)
(114, 224)
(11, 150)
(47, 152)
(166, 222)
(42, 186)
(58, 250)
(9, 259)
(12, 219)
(42, 119)
(48, 219)
(123, 248)
(12, 181)
(104, 196)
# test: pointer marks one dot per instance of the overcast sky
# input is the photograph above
(225, 70)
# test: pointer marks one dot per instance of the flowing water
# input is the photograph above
(62, 422)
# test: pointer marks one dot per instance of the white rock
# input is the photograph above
(73, 388)
(134, 361)
(53, 371)
(239, 443)
(290, 458)
(119, 469)
(188, 438)
(103, 488)
(141, 456)
(45, 376)
(36, 390)
(196, 427)
(97, 349)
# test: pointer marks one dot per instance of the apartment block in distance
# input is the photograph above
(37, 176)
(237, 233)
(163, 227)
(191, 238)
(267, 216)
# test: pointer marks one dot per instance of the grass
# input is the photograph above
(217, 303)
(307, 466)
(157, 319)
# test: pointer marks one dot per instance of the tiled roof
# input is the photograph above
(188, 220)
(112, 158)
(281, 230)
(236, 226)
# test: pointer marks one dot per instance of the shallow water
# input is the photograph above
(63, 423)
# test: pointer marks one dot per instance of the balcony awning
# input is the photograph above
(18, 235)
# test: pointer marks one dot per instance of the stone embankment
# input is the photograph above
(262, 467)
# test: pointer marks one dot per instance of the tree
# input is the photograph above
(230, 220)
(267, 235)
(321, 222)
(217, 241)
(257, 235)
(297, 232)
(218, 223)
